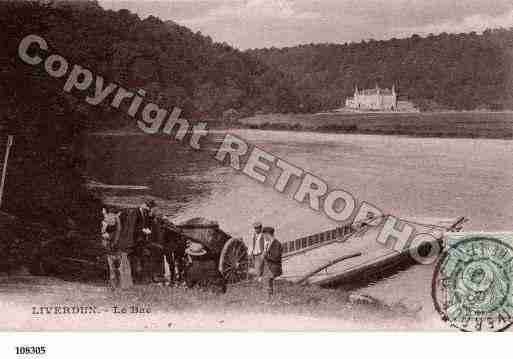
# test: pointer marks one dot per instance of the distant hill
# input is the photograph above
(448, 71)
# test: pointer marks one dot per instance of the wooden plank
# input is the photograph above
(10, 141)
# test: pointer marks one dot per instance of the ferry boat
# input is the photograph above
(353, 252)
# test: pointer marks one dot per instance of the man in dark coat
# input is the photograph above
(272, 259)
(142, 237)
(157, 249)
(173, 246)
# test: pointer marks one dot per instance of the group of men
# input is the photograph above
(136, 242)
(266, 252)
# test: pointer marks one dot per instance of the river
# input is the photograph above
(408, 177)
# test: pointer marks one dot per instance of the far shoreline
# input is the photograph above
(443, 124)
(334, 112)
(449, 124)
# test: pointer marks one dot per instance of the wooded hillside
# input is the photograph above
(447, 71)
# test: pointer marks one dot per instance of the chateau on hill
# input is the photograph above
(376, 99)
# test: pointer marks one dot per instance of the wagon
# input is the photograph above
(229, 253)
(84, 257)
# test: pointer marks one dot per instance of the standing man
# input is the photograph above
(142, 238)
(119, 267)
(174, 245)
(258, 249)
(157, 249)
(272, 260)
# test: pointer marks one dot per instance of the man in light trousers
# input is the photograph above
(257, 250)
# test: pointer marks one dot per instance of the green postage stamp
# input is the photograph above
(472, 282)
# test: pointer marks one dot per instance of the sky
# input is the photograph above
(279, 23)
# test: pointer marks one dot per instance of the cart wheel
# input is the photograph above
(234, 261)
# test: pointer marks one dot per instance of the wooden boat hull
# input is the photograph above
(368, 256)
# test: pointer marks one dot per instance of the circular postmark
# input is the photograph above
(472, 285)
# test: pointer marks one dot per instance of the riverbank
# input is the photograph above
(243, 307)
(494, 125)
(448, 124)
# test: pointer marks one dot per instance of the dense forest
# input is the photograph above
(175, 65)
(446, 71)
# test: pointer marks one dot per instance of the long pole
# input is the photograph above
(10, 140)
(329, 264)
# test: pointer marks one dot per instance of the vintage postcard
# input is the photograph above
(256, 165)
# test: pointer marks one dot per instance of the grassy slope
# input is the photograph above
(243, 307)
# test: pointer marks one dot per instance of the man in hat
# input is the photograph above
(272, 256)
(173, 246)
(203, 270)
(142, 238)
(120, 275)
(257, 249)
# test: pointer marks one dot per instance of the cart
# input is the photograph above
(229, 253)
